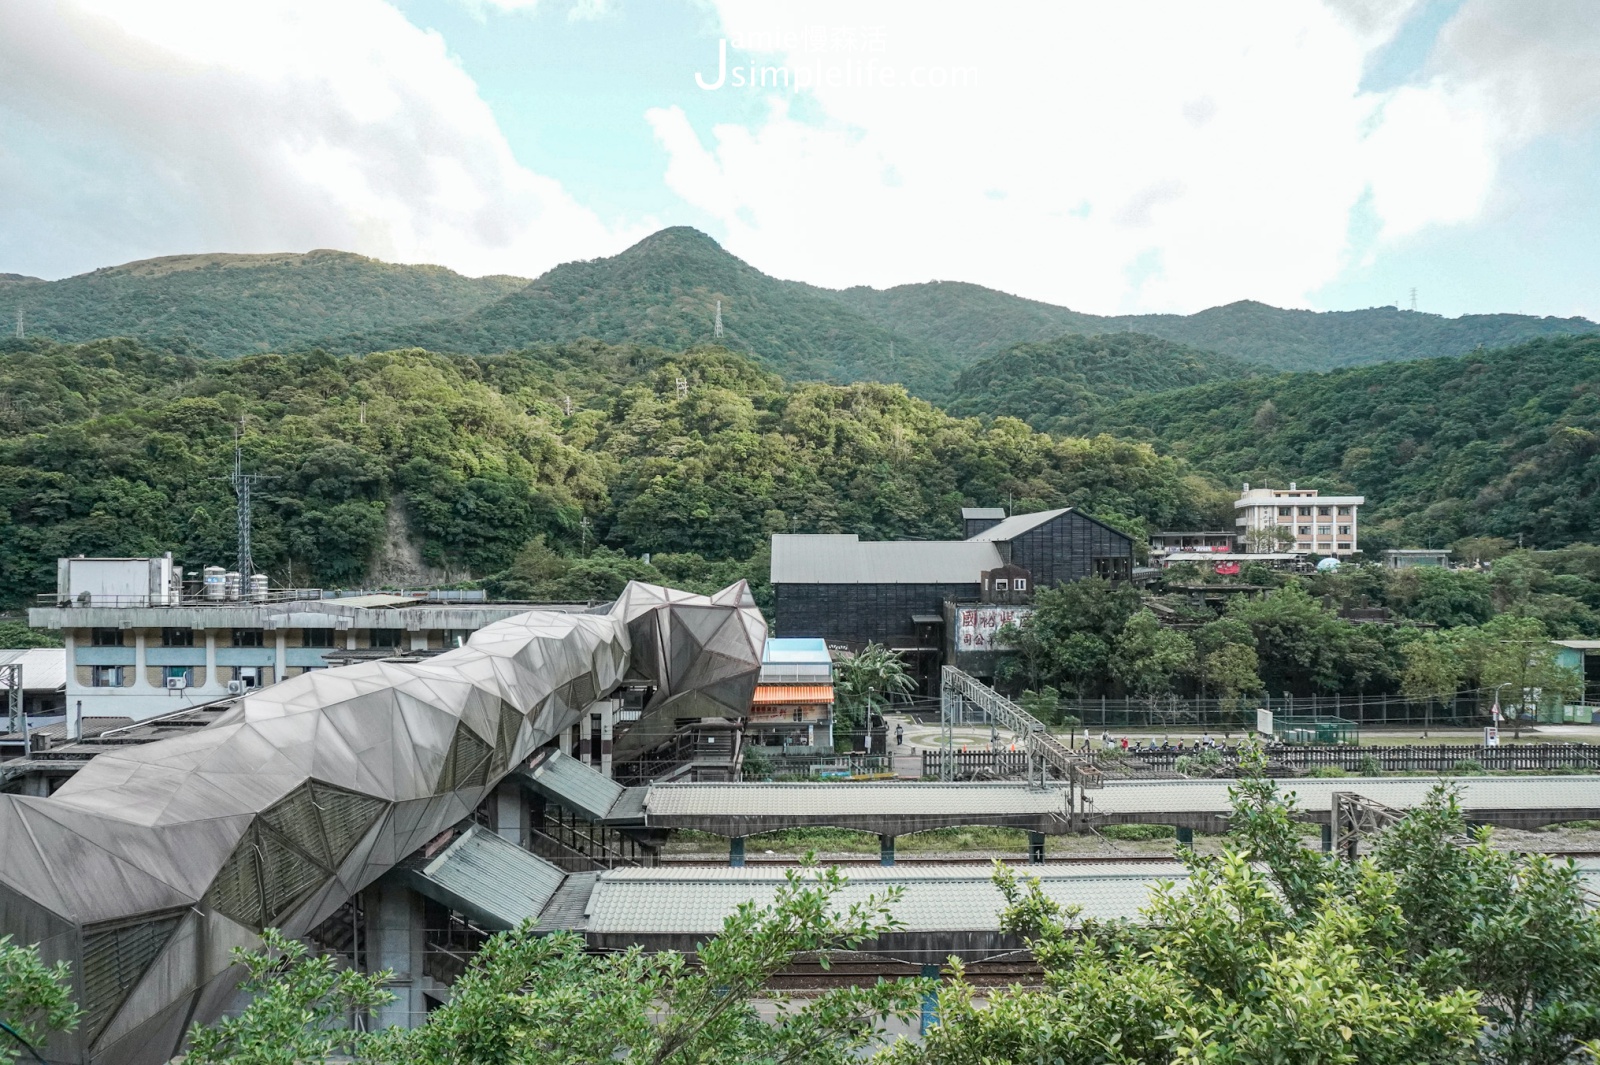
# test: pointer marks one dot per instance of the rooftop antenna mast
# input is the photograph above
(22, 331)
(241, 490)
(717, 329)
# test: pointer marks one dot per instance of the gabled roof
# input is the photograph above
(846, 559)
(1018, 524)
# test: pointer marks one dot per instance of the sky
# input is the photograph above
(1145, 156)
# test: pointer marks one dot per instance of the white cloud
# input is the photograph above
(304, 123)
(1165, 155)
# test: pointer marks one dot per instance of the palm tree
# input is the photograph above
(865, 682)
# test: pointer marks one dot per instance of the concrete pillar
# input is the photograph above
(736, 851)
(396, 939)
(280, 663)
(139, 678)
(885, 850)
(419, 640)
(1035, 847)
(1327, 839)
(930, 1002)
(212, 680)
(510, 814)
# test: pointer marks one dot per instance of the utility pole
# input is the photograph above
(12, 674)
(717, 329)
(1413, 297)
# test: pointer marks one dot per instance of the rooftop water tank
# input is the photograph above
(214, 583)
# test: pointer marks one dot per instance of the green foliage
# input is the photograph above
(1138, 833)
(35, 1000)
(244, 304)
(1067, 640)
(1496, 443)
(756, 765)
(1146, 656)
(17, 634)
(297, 1009)
(1370, 767)
(1044, 704)
(1047, 383)
(1327, 772)
(112, 448)
(528, 999)
(864, 683)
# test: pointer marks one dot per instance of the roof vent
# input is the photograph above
(1292, 486)
(1247, 486)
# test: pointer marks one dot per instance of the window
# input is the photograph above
(177, 637)
(105, 637)
(1324, 512)
(179, 673)
(1324, 530)
(456, 637)
(596, 744)
(1344, 512)
(317, 637)
(106, 676)
(1305, 512)
(1002, 585)
(1305, 530)
(247, 638)
(1285, 512)
(1020, 584)
(1344, 547)
(1344, 530)
(386, 637)
(249, 676)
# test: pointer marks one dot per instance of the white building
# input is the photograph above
(140, 644)
(1307, 522)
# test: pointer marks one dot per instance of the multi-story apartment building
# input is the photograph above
(1299, 520)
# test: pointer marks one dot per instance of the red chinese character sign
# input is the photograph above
(977, 626)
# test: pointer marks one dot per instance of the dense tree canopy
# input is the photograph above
(113, 448)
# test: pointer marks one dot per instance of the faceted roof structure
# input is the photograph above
(149, 864)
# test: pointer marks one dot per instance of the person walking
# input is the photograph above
(899, 735)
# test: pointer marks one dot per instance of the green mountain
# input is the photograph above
(664, 292)
(1498, 443)
(115, 448)
(1050, 383)
(238, 304)
(975, 322)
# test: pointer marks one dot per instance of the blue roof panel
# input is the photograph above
(807, 650)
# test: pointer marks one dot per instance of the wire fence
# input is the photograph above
(1467, 709)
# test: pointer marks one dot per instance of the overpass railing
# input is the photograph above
(1043, 751)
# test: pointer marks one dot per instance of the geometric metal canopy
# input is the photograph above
(149, 864)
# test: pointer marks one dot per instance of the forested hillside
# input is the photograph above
(512, 466)
(1046, 384)
(974, 322)
(663, 291)
(239, 304)
(1499, 443)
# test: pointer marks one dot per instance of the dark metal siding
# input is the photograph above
(1063, 549)
(856, 614)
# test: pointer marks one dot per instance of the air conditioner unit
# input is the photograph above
(177, 683)
(236, 687)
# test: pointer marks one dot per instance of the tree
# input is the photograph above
(1146, 656)
(1516, 653)
(35, 1000)
(1433, 670)
(1066, 642)
(1269, 539)
(530, 999)
(865, 682)
(298, 1010)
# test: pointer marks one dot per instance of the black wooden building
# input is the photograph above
(852, 592)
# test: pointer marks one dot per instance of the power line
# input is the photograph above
(717, 329)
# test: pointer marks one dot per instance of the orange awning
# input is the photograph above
(776, 694)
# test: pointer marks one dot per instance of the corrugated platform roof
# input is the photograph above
(835, 559)
(43, 668)
(853, 799)
(779, 694)
(576, 785)
(1016, 525)
(1477, 793)
(564, 911)
(491, 880)
(939, 898)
